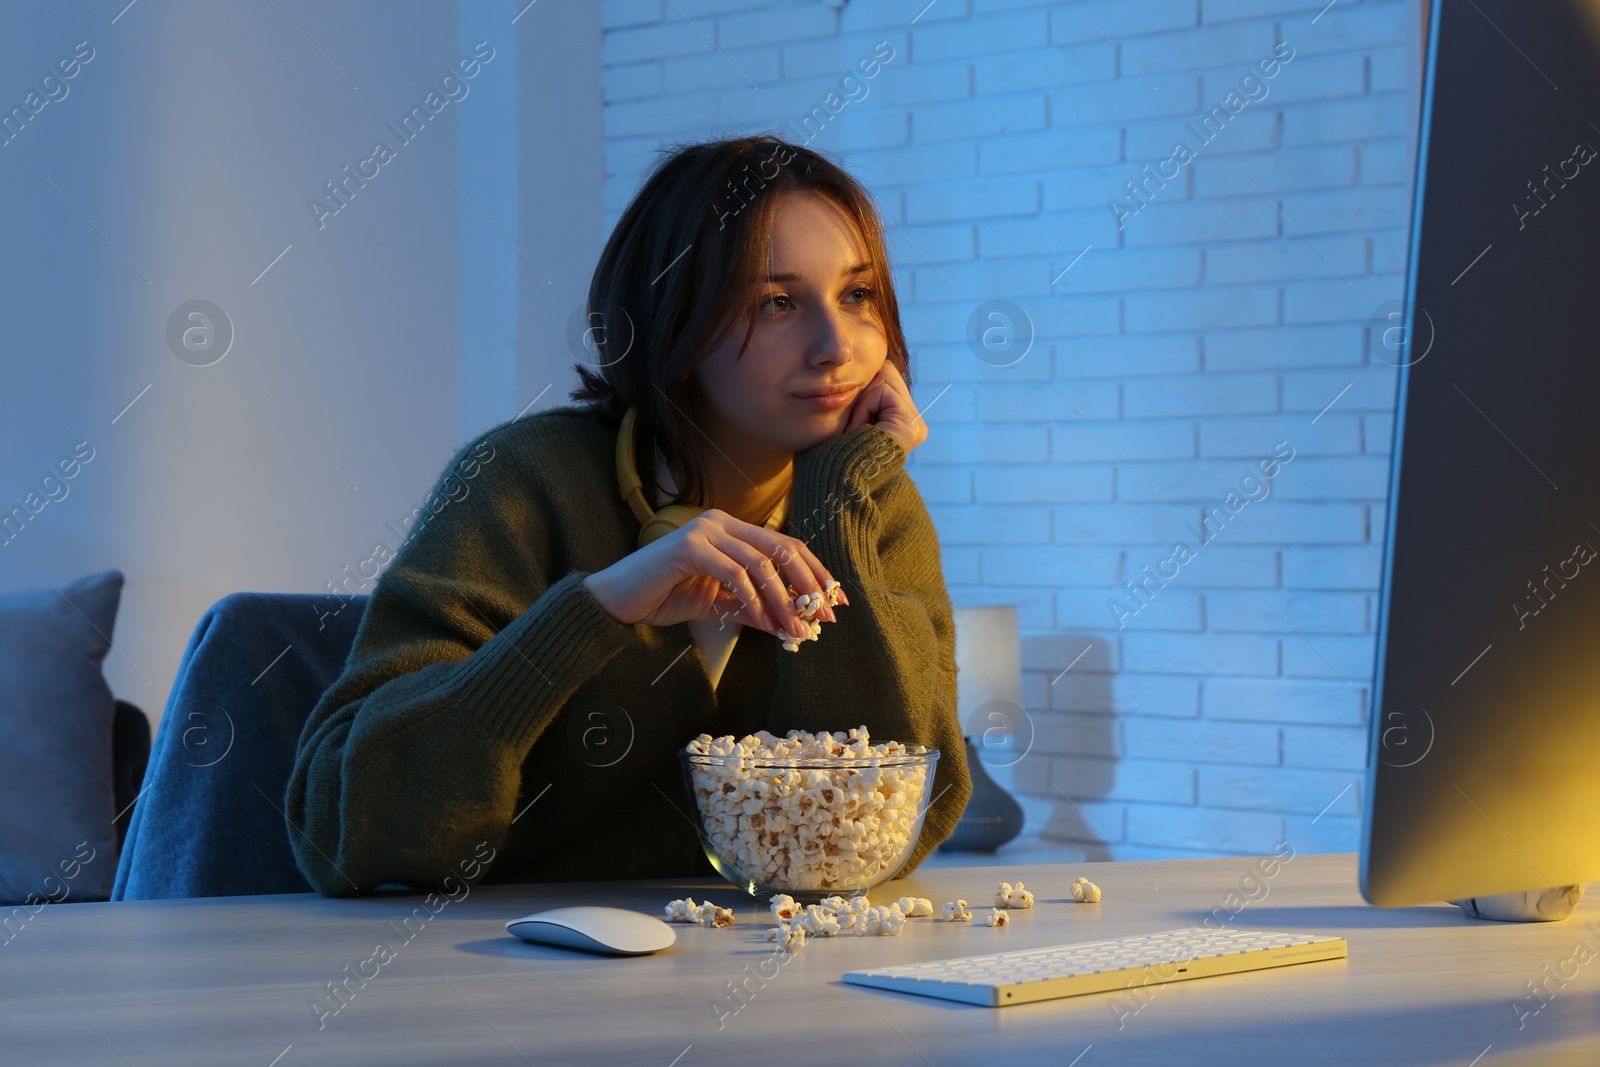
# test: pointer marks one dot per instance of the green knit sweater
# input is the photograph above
(489, 698)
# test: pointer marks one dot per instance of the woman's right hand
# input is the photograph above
(714, 566)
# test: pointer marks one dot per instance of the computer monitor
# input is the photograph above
(1483, 771)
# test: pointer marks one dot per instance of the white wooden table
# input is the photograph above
(229, 981)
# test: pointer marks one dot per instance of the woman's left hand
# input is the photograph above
(887, 401)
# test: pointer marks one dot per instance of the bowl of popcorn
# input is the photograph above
(809, 815)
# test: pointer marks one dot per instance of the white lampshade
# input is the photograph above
(988, 670)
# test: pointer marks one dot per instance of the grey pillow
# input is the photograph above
(57, 837)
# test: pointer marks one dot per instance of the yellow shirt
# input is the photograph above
(715, 637)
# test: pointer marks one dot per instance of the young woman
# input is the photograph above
(616, 579)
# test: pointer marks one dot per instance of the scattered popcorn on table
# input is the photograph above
(1012, 896)
(955, 911)
(808, 828)
(1085, 892)
(683, 911)
(791, 934)
(808, 604)
(886, 920)
(707, 914)
(915, 907)
(996, 917)
(819, 921)
(784, 907)
(836, 915)
(852, 914)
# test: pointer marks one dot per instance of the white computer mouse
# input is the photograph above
(611, 931)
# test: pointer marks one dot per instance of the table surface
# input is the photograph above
(231, 981)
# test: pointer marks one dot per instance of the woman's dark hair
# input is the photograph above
(681, 270)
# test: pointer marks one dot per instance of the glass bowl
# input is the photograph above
(811, 828)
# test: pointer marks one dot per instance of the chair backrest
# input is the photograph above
(210, 819)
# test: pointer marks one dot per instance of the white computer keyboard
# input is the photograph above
(1025, 975)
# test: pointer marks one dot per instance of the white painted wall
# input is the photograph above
(179, 167)
(1222, 317)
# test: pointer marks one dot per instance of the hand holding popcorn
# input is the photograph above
(808, 604)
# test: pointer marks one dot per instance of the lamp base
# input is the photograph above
(992, 817)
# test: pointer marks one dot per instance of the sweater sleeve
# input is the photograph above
(465, 653)
(889, 661)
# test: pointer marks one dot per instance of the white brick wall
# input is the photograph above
(1226, 314)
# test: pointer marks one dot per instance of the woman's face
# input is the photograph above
(816, 330)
